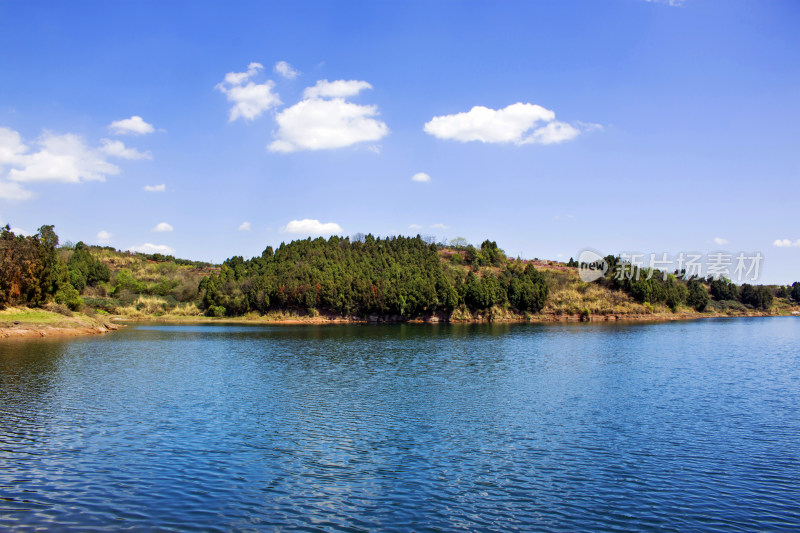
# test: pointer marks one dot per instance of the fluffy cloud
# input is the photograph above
(155, 188)
(336, 89)
(285, 69)
(55, 158)
(414, 226)
(62, 158)
(309, 226)
(104, 237)
(245, 226)
(163, 226)
(439, 226)
(118, 149)
(518, 124)
(238, 78)
(720, 241)
(14, 192)
(785, 243)
(11, 147)
(317, 124)
(131, 126)
(421, 177)
(150, 248)
(249, 99)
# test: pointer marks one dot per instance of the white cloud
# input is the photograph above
(131, 126)
(149, 248)
(317, 124)
(785, 243)
(104, 237)
(335, 89)
(155, 188)
(421, 177)
(63, 158)
(245, 226)
(517, 123)
(285, 69)
(14, 191)
(414, 226)
(309, 226)
(11, 147)
(439, 226)
(161, 227)
(238, 78)
(720, 241)
(56, 158)
(118, 149)
(250, 100)
(552, 133)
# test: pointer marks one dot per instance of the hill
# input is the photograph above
(363, 279)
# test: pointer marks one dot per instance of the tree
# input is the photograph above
(459, 242)
(698, 296)
(724, 289)
(528, 290)
(758, 296)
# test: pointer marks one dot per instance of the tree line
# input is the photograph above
(392, 277)
(652, 286)
(399, 277)
(33, 274)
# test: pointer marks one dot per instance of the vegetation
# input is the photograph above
(396, 278)
(30, 270)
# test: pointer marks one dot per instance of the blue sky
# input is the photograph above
(546, 126)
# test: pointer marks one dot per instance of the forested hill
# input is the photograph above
(394, 278)
(400, 277)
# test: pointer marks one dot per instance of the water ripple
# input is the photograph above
(669, 427)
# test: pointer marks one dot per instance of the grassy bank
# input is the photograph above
(23, 322)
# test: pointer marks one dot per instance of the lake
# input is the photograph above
(683, 426)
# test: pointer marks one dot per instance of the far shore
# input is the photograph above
(534, 319)
(23, 323)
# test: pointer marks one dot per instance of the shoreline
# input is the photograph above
(27, 323)
(537, 319)
(28, 331)
(88, 326)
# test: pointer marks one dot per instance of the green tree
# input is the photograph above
(698, 296)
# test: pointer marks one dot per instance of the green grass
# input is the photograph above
(29, 316)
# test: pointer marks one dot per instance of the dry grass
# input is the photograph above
(571, 296)
(144, 306)
(189, 309)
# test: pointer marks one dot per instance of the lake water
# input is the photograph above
(690, 426)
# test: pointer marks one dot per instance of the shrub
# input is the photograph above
(61, 309)
(68, 296)
(216, 311)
